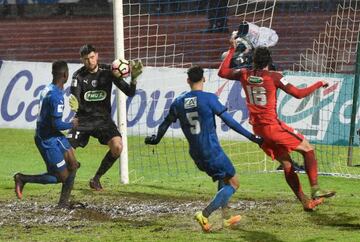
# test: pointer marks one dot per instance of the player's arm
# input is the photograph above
(300, 92)
(128, 89)
(224, 70)
(60, 125)
(230, 121)
(57, 108)
(163, 127)
(75, 92)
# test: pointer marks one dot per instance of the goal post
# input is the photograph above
(120, 96)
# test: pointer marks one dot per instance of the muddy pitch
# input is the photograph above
(30, 213)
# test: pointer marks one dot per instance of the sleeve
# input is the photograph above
(230, 121)
(57, 109)
(216, 105)
(128, 89)
(225, 71)
(297, 92)
(75, 88)
(169, 119)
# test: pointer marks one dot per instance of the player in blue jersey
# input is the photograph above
(196, 112)
(53, 146)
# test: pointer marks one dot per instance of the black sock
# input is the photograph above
(106, 164)
(45, 178)
(67, 187)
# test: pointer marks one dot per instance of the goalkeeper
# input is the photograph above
(196, 112)
(90, 98)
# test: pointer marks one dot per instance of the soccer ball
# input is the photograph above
(121, 68)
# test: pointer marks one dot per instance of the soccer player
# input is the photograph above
(52, 144)
(260, 86)
(91, 93)
(196, 112)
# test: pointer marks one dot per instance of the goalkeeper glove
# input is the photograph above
(136, 70)
(74, 103)
(151, 140)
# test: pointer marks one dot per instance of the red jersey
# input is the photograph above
(260, 87)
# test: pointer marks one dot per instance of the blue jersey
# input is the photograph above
(51, 107)
(196, 112)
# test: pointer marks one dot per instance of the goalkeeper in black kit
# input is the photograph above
(91, 100)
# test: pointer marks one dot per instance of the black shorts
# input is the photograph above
(103, 130)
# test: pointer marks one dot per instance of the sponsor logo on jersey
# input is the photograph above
(94, 96)
(86, 81)
(94, 83)
(190, 102)
(60, 108)
(255, 79)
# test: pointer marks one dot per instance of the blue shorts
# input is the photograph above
(218, 167)
(52, 151)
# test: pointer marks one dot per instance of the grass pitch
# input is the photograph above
(161, 209)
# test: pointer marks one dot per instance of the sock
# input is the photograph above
(221, 199)
(106, 164)
(67, 187)
(221, 184)
(310, 163)
(293, 180)
(45, 178)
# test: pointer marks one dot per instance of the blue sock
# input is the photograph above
(45, 178)
(220, 200)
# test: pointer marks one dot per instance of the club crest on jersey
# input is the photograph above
(190, 102)
(94, 83)
(95, 96)
(255, 79)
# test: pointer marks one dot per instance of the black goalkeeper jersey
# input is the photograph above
(93, 91)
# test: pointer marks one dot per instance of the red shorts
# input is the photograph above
(278, 138)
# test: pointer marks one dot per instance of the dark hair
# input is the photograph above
(262, 58)
(86, 49)
(243, 29)
(59, 67)
(195, 73)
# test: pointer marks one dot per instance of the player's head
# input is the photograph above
(60, 71)
(243, 29)
(195, 74)
(89, 57)
(262, 58)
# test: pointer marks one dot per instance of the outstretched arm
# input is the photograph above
(128, 89)
(155, 139)
(301, 92)
(224, 70)
(225, 116)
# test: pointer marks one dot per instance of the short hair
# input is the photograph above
(262, 58)
(86, 49)
(59, 68)
(243, 29)
(195, 73)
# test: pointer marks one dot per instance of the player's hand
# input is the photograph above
(74, 103)
(151, 140)
(75, 122)
(136, 70)
(325, 84)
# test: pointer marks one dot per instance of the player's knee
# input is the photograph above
(116, 151)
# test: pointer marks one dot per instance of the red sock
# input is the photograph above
(310, 163)
(293, 180)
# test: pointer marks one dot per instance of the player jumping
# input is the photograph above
(91, 93)
(52, 144)
(260, 86)
(196, 112)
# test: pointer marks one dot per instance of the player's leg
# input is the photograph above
(68, 179)
(112, 138)
(311, 168)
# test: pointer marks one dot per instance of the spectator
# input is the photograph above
(217, 15)
(20, 6)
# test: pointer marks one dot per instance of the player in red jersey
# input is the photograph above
(260, 86)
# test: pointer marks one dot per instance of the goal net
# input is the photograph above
(169, 37)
